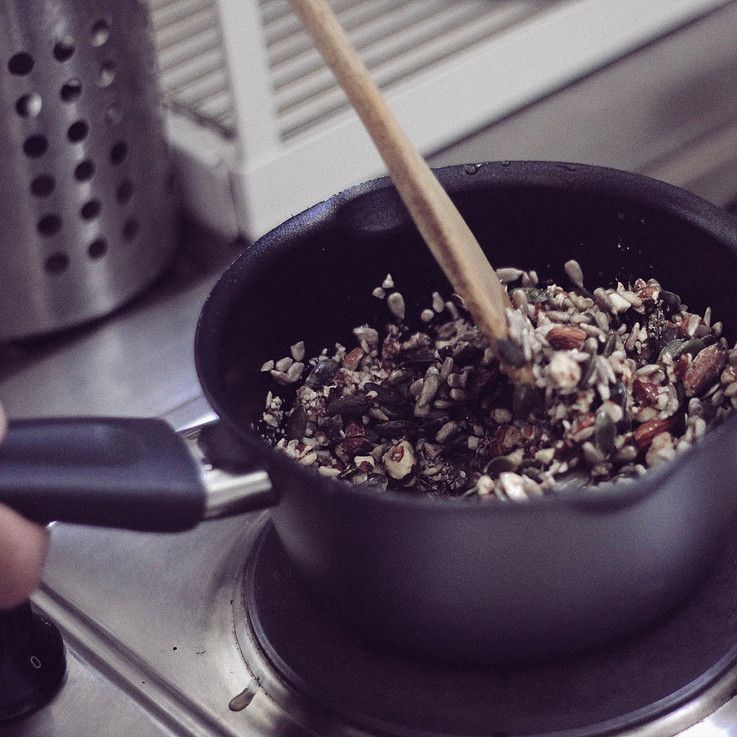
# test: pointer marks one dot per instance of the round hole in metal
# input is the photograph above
(20, 64)
(78, 131)
(100, 33)
(43, 185)
(130, 229)
(56, 263)
(106, 75)
(97, 249)
(84, 171)
(49, 224)
(64, 49)
(35, 146)
(71, 90)
(118, 152)
(90, 210)
(29, 106)
(125, 191)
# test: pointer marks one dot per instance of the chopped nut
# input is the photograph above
(618, 302)
(369, 337)
(648, 293)
(729, 375)
(365, 464)
(353, 358)
(485, 485)
(505, 438)
(501, 415)
(563, 371)
(513, 485)
(565, 337)
(704, 369)
(545, 455)
(399, 460)
(645, 392)
(627, 454)
(661, 449)
(592, 455)
(348, 448)
(644, 434)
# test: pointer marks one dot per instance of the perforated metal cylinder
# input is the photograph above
(86, 196)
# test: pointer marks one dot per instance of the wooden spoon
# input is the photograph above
(449, 238)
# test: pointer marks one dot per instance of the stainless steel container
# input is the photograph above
(86, 201)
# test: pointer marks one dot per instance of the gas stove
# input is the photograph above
(210, 633)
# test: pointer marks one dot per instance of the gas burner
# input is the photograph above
(676, 672)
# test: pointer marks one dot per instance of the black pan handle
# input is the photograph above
(131, 473)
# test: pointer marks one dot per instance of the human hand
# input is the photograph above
(23, 547)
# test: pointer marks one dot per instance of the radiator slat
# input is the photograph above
(396, 39)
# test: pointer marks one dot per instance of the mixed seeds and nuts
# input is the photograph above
(624, 379)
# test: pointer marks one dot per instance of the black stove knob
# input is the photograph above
(32, 661)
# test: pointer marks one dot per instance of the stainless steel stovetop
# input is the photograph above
(159, 639)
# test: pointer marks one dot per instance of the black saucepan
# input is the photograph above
(456, 578)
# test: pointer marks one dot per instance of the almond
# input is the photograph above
(399, 460)
(644, 434)
(582, 428)
(704, 369)
(348, 448)
(506, 438)
(355, 430)
(352, 359)
(645, 392)
(565, 337)
(648, 293)
(681, 365)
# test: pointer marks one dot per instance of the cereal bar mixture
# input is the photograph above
(624, 379)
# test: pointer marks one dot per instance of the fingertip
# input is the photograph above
(23, 547)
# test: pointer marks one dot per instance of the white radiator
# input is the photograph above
(262, 131)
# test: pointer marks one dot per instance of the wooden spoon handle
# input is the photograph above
(446, 233)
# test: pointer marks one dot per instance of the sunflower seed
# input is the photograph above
(574, 272)
(298, 351)
(508, 275)
(395, 301)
